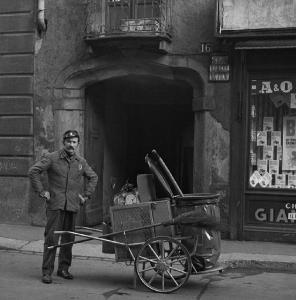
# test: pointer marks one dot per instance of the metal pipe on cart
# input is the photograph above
(133, 229)
(88, 228)
(103, 237)
(69, 243)
(88, 238)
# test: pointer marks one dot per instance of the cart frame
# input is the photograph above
(170, 261)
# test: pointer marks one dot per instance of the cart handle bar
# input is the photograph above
(103, 237)
(89, 228)
(88, 238)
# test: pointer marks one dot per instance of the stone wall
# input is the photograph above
(16, 107)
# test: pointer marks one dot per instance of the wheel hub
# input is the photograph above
(162, 266)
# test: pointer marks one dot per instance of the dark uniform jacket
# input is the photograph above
(65, 178)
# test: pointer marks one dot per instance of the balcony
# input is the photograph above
(128, 24)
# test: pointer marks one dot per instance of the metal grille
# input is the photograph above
(128, 16)
(129, 217)
(139, 215)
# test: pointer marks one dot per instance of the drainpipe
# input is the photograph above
(41, 21)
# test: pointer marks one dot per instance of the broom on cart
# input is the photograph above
(195, 218)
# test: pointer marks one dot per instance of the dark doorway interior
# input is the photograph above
(134, 115)
(164, 128)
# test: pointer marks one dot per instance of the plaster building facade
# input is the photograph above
(132, 76)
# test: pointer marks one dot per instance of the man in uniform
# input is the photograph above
(67, 192)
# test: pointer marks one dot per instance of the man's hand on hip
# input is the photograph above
(82, 199)
(45, 195)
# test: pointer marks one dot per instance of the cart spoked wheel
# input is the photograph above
(163, 264)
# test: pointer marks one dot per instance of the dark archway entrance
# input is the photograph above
(127, 117)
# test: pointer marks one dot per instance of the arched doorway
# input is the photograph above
(126, 117)
(107, 98)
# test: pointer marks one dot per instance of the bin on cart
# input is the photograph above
(209, 241)
(205, 204)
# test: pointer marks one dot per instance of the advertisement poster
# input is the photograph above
(279, 152)
(255, 179)
(267, 152)
(262, 166)
(292, 181)
(265, 180)
(261, 138)
(267, 123)
(276, 138)
(293, 100)
(289, 143)
(273, 166)
(280, 180)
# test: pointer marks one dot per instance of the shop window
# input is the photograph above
(272, 134)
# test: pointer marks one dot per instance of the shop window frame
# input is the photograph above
(282, 74)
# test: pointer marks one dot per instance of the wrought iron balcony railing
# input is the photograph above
(128, 17)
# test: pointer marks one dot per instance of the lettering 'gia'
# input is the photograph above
(270, 215)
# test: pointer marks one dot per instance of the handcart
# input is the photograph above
(150, 235)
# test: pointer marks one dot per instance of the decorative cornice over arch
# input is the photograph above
(87, 72)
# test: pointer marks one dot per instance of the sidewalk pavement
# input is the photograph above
(267, 256)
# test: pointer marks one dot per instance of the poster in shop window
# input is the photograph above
(262, 166)
(273, 166)
(279, 152)
(280, 180)
(289, 143)
(276, 138)
(292, 181)
(267, 123)
(261, 138)
(267, 152)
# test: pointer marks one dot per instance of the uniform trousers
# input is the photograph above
(58, 220)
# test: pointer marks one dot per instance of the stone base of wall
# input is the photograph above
(14, 204)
